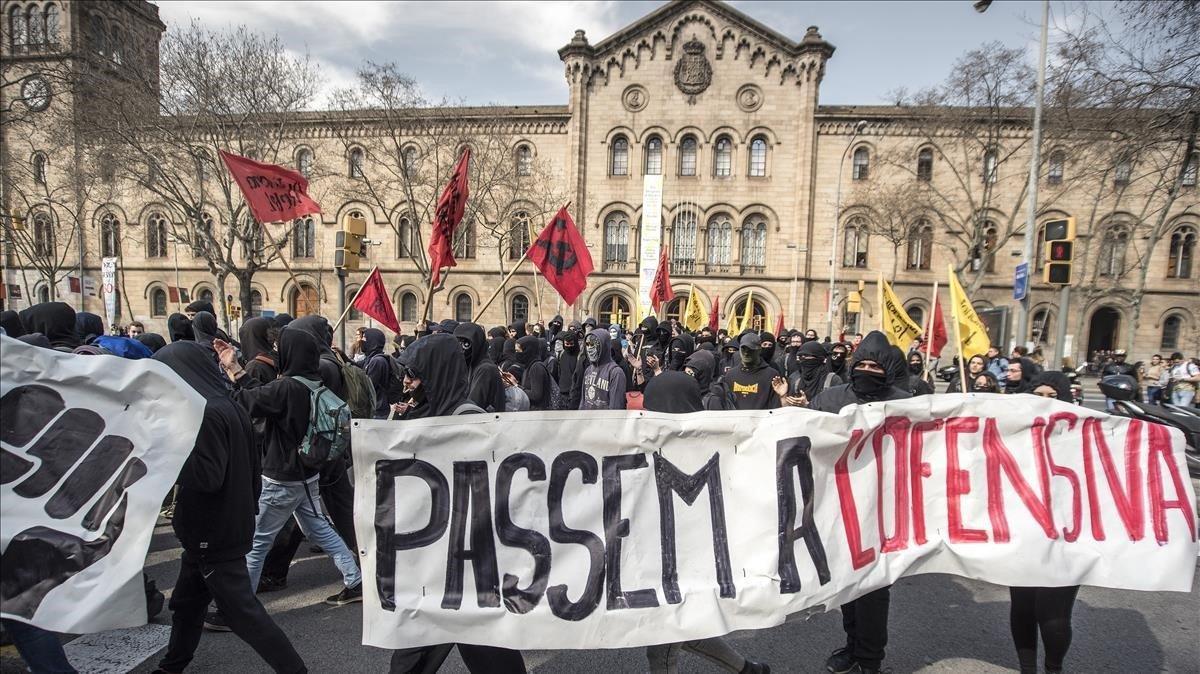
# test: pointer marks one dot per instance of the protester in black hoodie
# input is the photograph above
(88, 326)
(179, 328)
(152, 340)
(486, 388)
(565, 366)
(378, 366)
(536, 381)
(54, 320)
(196, 307)
(497, 336)
(437, 375)
(258, 336)
(214, 518)
(673, 391)
(204, 329)
(678, 350)
(11, 322)
(767, 340)
(751, 381)
(812, 373)
(1021, 372)
(839, 353)
(873, 377)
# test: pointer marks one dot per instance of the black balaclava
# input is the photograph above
(495, 345)
(837, 360)
(768, 352)
(993, 385)
(474, 346)
(750, 352)
(869, 386)
(282, 320)
(702, 365)
(153, 341)
(437, 361)
(678, 351)
(204, 328)
(373, 341)
(255, 338)
(201, 305)
(11, 322)
(55, 320)
(812, 368)
(88, 326)
(916, 364)
(529, 350)
(195, 365)
(570, 340)
(179, 328)
(299, 355)
(1055, 380)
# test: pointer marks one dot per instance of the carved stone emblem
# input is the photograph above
(693, 73)
(635, 98)
(749, 98)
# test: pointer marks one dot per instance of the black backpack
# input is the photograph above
(395, 383)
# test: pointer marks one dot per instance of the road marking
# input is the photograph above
(116, 651)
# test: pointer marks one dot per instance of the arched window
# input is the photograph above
(304, 238)
(356, 158)
(304, 301)
(463, 306)
(683, 243)
(518, 232)
(407, 243)
(675, 309)
(38, 168)
(409, 157)
(464, 238)
(156, 235)
(43, 293)
(916, 313)
(110, 236)
(758, 314)
(1039, 250)
(614, 308)
(1189, 171)
(990, 238)
(861, 164)
(1123, 171)
(990, 162)
(304, 162)
(98, 34)
(37, 29)
(1039, 326)
(1183, 248)
(1055, 166)
(158, 302)
(256, 303)
(616, 240)
(758, 157)
(524, 160)
(43, 235)
(354, 314)
(1111, 261)
(52, 29)
(654, 156)
(723, 157)
(408, 307)
(854, 247)
(687, 155)
(754, 245)
(618, 162)
(1170, 332)
(16, 28)
(925, 164)
(520, 309)
(719, 240)
(920, 245)
(116, 44)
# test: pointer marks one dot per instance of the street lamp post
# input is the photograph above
(837, 223)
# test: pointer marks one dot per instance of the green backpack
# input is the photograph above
(328, 435)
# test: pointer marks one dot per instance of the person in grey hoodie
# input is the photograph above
(603, 380)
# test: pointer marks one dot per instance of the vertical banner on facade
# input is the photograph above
(108, 274)
(651, 240)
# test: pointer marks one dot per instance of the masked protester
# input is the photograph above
(975, 365)
(196, 307)
(495, 345)
(214, 520)
(88, 327)
(873, 376)
(282, 320)
(727, 358)
(258, 336)
(204, 328)
(984, 382)
(179, 328)
(789, 361)
(554, 328)
(535, 381)
(378, 366)
(673, 391)
(751, 382)
(812, 373)
(55, 321)
(566, 364)
(603, 380)
(1020, 376)
(678, 351)
(152, 340)
(485, 388)
(919, 383)
(839, 354)
(810, 335)
(767, 340)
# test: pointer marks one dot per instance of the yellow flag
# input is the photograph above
(969, 330)
(899, 328)
(738, 324)
(694, 315)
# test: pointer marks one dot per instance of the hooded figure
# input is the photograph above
(11, 322)
(673, 391)
(812, 373)
(603, 380)
(438, 363)
(448, 326)
(152, 340)
(379, 368)
(838, 355)
(983, 382)
(519, 328)
(179, 328)
(204, 328)
(918, 384)
(1029, 370)
(867, 384)
(497, 336)
(1057, 381)
(565, 366)
(554, 328)
(329, 366)
(55, 320)
(536, 382)
(35, 339)
(486, 389)
(750, 380)
(768, 348)
(258, 349)
(508, 355)
(282, 320)
(727, 358)
(678, 351)
(701, 365)
(198, 306)
(88, 326)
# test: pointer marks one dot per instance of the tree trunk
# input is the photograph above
(221, 299)
(244, 291)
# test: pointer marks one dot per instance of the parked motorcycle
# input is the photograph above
(1124, 391)
(1076, 385)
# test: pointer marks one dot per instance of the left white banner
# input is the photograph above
(89, 448)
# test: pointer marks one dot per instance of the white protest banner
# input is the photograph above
(650, 245)
(89, 447)
(108, 277)
(619, 529)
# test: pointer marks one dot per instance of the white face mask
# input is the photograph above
(360, 357)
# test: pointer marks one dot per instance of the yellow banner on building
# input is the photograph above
(694, 316)
(899, 328)
(969, 329)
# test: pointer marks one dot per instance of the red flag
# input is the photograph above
(660, 289)
(939, 329)
(373, 301)
(173, 293)
(449, 213)
(713, 323)
(779, 325)
(561, 254)
(274, 193)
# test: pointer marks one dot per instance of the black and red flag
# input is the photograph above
(660, 289)
(273, 193)
(449, 213)
(561, 254)
(373, 301)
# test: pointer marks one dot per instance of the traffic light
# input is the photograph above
(1059, 252)
(349, 244)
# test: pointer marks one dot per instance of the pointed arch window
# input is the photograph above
(464, 238)
(991, 160)
(1111, 261)
(355, 159)
(38, 165)
(654, 156)
(35, 26)
(618, 161)
(920, 245)
(524, 160)
(518, 235)
(304, 162)
(854, 247)
(754, 245)
(17, 34)
(43, 235)
(409, 158)
(256, 304)
(305, 300)
(406, 238)
(925, 164)
(158, 302)
(1182, 252)
(688, 149)
(156, 235)
(52, 24)
(408, 307)
(1055, 167)
(719, 239)
(616, 240)
(304, 238)
(860, 164)
(758, 157)
(683, 243)
(723, 157)
(110, 236)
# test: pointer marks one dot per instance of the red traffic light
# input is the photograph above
(1061, 251)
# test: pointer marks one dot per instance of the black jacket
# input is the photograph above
(672, 391)
(55, 320)
(486, 389)
(378, 366)
(874, 347)
(220, 482)
(437, 361)
(262, 362)
(536, 382)
(329, 367)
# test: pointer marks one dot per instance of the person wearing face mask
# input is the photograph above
(536, 381)
(554, 328)
(975, 365)
(486, 387)
(810, 335)
(751, 382)
(678, 351)
(812, 374)
(566, 362)
(727, 358)
(767, 344)
(378, 366)
(919, 383)
(872, 379)
(838, 355)
(790, 361)
(603, 380)
(1020, 376)
(984, 382)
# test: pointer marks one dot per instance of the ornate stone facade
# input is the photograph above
(727, 110)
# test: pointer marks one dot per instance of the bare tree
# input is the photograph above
(894, 211)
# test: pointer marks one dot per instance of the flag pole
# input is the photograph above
(507, 278)
(933, 307)
(350, 304)
(282, 258)
(879, 298)
(962, 364)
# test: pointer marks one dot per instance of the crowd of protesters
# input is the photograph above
(245, 501)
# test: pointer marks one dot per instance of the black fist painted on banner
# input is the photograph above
(61, 458)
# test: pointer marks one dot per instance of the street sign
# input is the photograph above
(1021, 281)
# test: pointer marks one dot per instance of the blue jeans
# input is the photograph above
(1182, 397)
(276, 504)
(40, 649)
